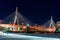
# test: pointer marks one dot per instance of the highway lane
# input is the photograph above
(11, 36)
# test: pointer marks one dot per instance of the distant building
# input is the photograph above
(58, 24)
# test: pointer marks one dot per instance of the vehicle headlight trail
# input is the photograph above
(19, 36)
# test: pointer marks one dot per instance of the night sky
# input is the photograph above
(35, 10)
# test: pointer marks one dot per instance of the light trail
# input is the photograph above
(11, 35)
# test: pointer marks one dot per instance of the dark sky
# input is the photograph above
(35, 10)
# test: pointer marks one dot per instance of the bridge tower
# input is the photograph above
(16, 17)
(52, 24)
